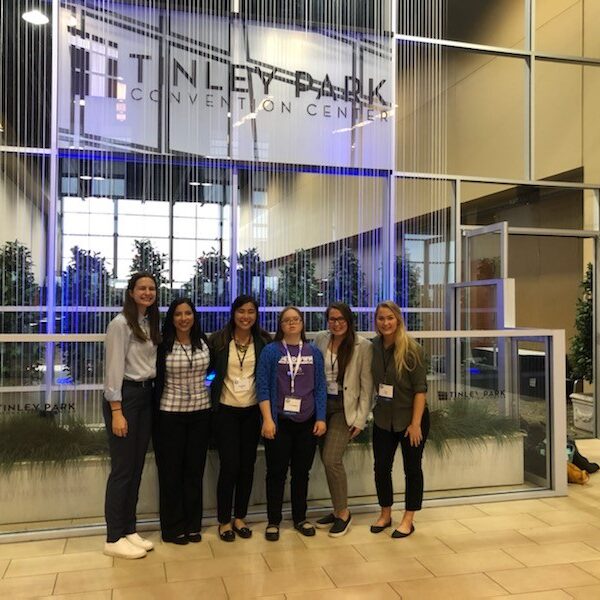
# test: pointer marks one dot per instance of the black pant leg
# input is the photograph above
(384, 447)
(171, 433)
(250, 434)
(413, 472)
(304, 445)
(196, 447)
(277, 453)
(228, 433)
(126, 466)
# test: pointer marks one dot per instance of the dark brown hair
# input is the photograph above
(131, 313)
(279, 332)
(346, 347)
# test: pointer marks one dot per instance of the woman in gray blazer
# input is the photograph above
(349, 400)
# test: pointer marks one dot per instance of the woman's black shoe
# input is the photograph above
(180, 540)
(305, 528)
(399, 534)
(272, 533)
(194, 537)
(380, 528)
(243, 532)
(227, 536)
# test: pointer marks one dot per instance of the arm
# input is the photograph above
(263, 395)
(365, 400)
(418, 378)
(115, 345)
(320, 393)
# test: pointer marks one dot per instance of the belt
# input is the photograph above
(147, 383)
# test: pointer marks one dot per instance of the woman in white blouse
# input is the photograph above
(130, 369)
(183, 424)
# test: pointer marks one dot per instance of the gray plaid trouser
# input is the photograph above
(332, 449)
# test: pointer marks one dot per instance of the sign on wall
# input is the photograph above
(144, 80)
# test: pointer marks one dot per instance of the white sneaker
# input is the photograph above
(123, 548)
(140, 542)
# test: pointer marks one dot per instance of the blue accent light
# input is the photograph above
(474, 371)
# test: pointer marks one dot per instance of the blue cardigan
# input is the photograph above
(266, 379)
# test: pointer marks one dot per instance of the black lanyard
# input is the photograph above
(241, 356)
(190, 359)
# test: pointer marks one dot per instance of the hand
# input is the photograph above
(320, 428)
(268, 430)
(354, 431)
(414, 434)
(119, 424)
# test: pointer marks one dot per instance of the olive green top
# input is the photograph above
(395, 414)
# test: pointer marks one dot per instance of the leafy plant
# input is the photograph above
(582, 349)
(408, 290)
(31, 437)
(251, 273)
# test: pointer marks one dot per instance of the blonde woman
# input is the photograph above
(400, 414)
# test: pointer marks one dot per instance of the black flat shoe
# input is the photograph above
(243, 532)
(227, 536)
(272, 533)
(380, 528)
(194, 537)
(399, 534)
(305, 528)
(180, 540)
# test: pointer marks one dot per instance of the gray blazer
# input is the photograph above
(358, 380)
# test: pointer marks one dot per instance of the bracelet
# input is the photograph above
(115, 409)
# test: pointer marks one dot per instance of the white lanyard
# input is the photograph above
(293, 369)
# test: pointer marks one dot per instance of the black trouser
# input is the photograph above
(127, 455)
(385, 444)
(238, 432)
(294, 446)
(182, 444)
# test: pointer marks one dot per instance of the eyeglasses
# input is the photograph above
(291, 321)
(334, 320)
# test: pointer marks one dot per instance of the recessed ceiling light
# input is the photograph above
(98, 178)
(206, 184)
(35, 17)
(85, 177)
(195, 183)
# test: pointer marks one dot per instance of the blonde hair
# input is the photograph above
(407, 353)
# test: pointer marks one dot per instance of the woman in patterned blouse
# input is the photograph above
(183, 422)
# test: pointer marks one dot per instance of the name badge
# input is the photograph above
(291, 404)
(333, 388)
(242, 384)
(386, 392)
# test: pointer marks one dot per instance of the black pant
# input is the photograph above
(182, 444)
(127, 455)
(294, 446)
(237, 431)
(385, 444)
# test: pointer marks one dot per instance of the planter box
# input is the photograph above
(583, 411)
(33, 493)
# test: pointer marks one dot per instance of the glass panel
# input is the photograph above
(25, 75)
(498, 23)
(460, 112)
(478, 307)
(482, 256)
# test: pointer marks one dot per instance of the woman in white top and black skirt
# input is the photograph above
(130, 369)
(183, 425)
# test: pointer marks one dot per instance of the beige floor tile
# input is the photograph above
(562, 533)
(457, 587)
(277, 582)
(102, 595)
(27, 587)
(592, 567)
(445, 513)
(586, 592)
(375, 591)
(409, 547)
(537, 579)
(469, 562)
(171, 552)
(535, 555)
(376, 572)
(559, 502)
(3, 567)
(104, 579)
(214, 567)
(497, 523)
(440, 528)
(466, 542)
(32, 549)
(61, 563)
(315, 557)
(512, 507)
(88, 543)
(207, 589)
(566, 517)
(255, 545)
(548, 595)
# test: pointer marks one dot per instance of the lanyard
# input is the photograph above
(241, 356)
(190, 359)
(331, 359)
(293, 368)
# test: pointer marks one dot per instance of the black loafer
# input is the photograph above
(180, 540)
(325, 522)
(305, 528)
(399, 534)
(272, 533)
(380, 528)
(194, 537)
(227, 536)
(243, 532)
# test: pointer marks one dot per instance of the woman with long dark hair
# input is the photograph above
(291, 392)
(183, 427)
(236, 350)
(130, 369)
(349, 398)
(400, 413)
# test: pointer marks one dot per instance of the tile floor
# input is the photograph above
(544, 549)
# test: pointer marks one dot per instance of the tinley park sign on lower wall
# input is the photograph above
(143, 80)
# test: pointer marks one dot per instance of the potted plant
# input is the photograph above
(582, 354)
